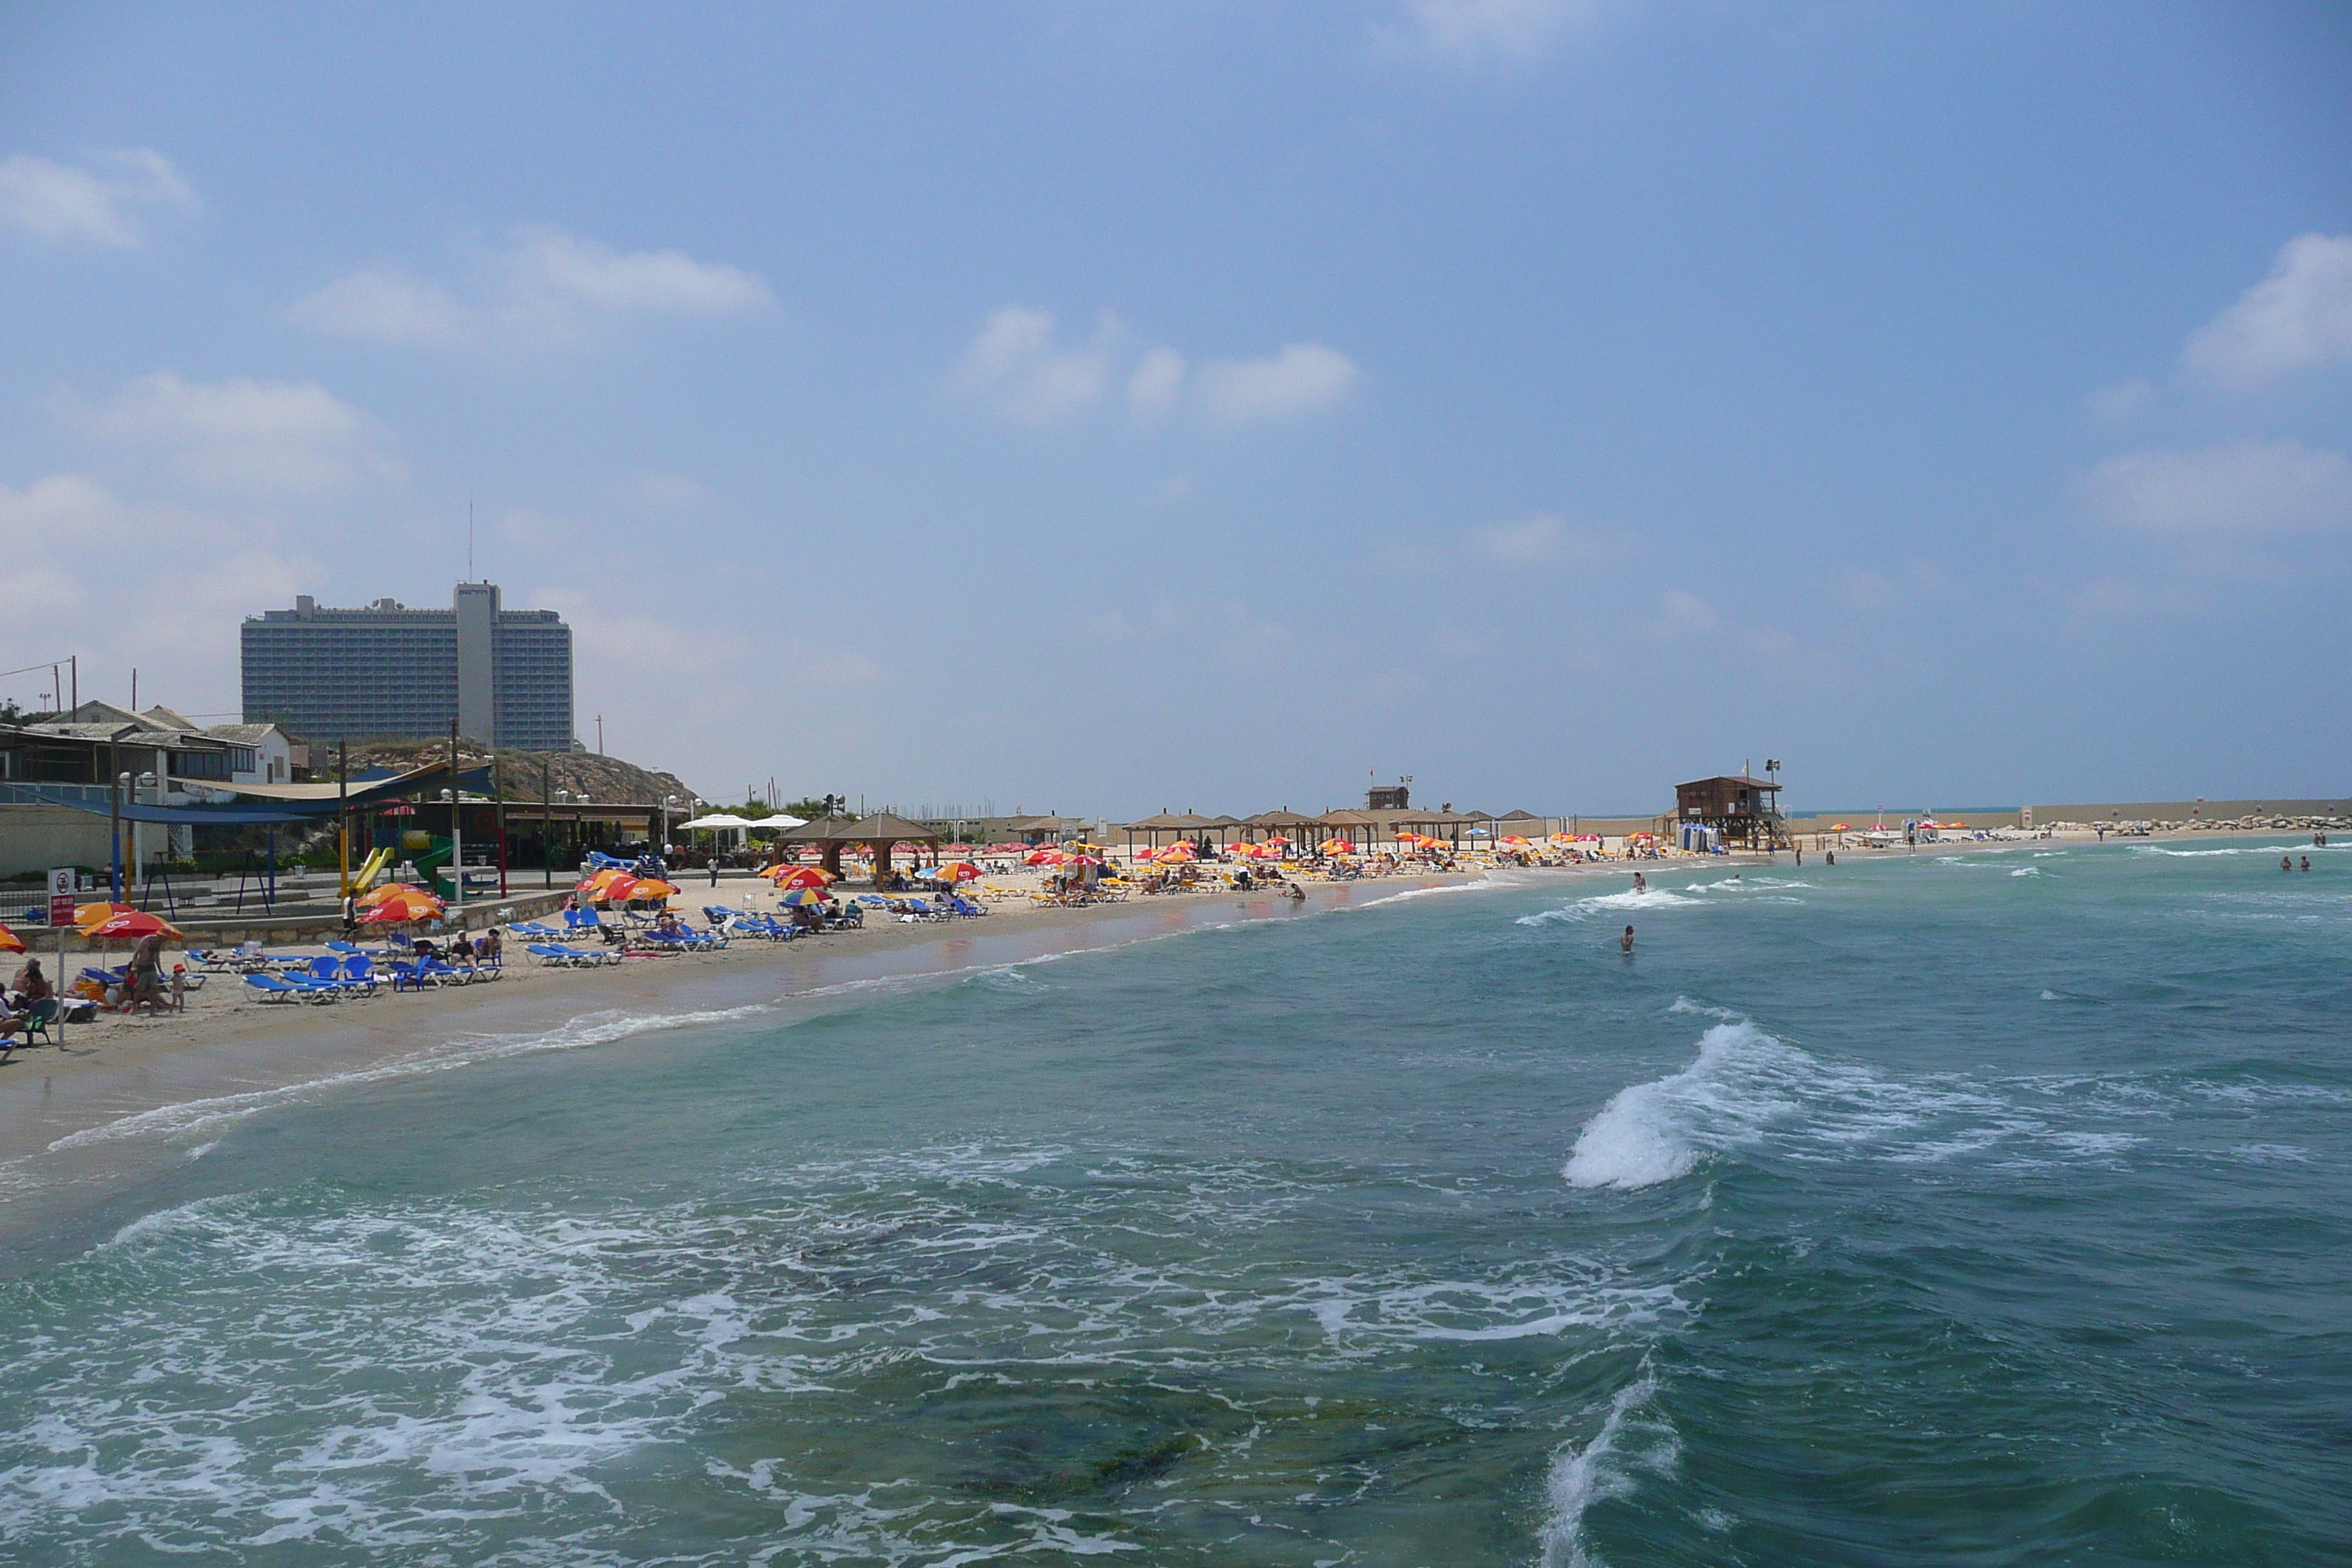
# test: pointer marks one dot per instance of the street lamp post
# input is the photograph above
(114, 837)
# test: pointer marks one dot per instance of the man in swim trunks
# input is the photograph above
(1625, 943)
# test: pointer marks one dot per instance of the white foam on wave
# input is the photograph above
(1563, 1294)
(1743, 1080)
(1585, 908)
(1685, 1004)
(1747, 1088)
(2027, 872)
(2302, 848)
(1491, 882)
(593, 1029)
(1602, 1469)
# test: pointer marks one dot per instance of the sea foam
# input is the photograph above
(1601, 1470)
(1650, 1132)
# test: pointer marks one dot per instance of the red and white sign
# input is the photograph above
(61, 897)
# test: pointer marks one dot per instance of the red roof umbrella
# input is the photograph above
(399, 904)
(626, 889)
(130, 924)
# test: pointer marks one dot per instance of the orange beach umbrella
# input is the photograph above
(398, 904)
(130, 924)
(627, 889)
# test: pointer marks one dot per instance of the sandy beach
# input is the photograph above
(126, 1100)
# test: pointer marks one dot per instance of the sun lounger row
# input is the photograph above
(563, 957)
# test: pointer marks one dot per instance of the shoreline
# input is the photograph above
(84, 1129)
(129, 1102)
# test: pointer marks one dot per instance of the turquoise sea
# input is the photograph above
(1985, 1209)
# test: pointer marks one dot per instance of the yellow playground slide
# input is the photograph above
(370, 869)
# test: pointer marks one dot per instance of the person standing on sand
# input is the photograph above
(146, 977)
(714, 868)
(1625, 943)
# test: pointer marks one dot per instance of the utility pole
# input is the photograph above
(547, 817)
(343, 815)
(600, 734)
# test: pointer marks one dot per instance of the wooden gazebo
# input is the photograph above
(877, 833)
(1286, 823)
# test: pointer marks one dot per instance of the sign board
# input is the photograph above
(61, 897)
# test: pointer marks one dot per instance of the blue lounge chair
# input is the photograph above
(274, 989)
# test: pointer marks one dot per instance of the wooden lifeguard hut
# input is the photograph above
(1744, 809)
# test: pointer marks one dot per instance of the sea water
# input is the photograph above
(1981, 1209)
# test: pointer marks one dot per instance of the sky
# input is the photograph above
(1112, 408)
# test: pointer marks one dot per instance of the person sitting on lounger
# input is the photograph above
(666, 924)
(461, 950)
(29, 986)
(492, 949)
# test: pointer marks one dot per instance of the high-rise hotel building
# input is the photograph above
(505, 676)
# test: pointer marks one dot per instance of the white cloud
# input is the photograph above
(2116, 404)
(174, 584)
(32, 521)
(1018, 366)
(558, 275)
(1303, 378)
(1014, 366)
(1683, 613)
(1157, 383)
(99, 205)
(2239, 488)
(1541, 539)
(544, 289)
(668, 491)
(1460, 33)
(384, 304)
(2298, 317)
(249, 436)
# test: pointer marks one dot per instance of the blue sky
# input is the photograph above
(1111, 408)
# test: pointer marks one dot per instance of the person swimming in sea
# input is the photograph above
(1625, 943)
(1641, 883)
(2306, 862)
(2286, 862)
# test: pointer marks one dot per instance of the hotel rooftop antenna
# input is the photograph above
(470, 536)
